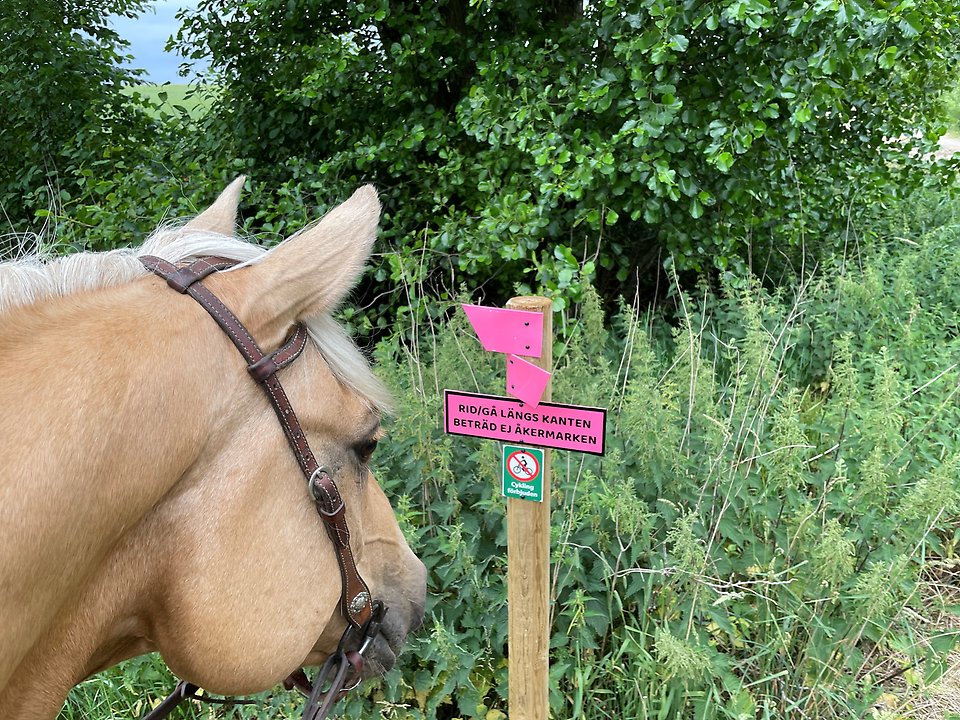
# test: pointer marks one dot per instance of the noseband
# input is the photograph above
(363, 614)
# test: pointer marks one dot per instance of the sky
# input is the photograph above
(148, 34)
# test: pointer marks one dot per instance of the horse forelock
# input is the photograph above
(33, 278)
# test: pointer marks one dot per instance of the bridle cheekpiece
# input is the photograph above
(363, 614)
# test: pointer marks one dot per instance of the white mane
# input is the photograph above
(28, 280)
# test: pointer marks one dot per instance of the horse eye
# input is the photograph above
(365, 450)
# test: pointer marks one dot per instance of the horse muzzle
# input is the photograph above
(346, 668)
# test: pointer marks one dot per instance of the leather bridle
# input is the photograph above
(363, 614)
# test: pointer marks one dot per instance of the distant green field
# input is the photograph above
(951, 102)
(169, 97)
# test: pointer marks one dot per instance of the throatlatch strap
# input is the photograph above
(355, 601)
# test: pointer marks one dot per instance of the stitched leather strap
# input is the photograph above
(355, 600)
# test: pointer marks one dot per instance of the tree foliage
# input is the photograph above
(548, 142)
(60, 81)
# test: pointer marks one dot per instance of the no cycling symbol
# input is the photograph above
(523, 465)
(523, 473)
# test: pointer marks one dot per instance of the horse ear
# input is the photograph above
(310, 272)
(221, 217)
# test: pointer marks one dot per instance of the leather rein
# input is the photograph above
(363, 614)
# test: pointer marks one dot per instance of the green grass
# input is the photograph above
(951, 103)
(171, 99)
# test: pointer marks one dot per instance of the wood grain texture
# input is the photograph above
(528, 573)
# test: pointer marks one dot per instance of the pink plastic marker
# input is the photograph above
(525, 380)
(519, 332)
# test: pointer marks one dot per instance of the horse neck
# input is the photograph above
(107, 400)
(100, 625)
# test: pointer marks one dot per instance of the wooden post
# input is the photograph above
(528, 569)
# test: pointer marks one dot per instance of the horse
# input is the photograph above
(149, 500)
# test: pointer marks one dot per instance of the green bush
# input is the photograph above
(780, 470)
(781, 474)
(539, 146)
(60, 99)
(550, 144)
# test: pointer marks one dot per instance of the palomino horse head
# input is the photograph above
(148, 498)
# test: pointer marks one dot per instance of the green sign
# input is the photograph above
(523, 473)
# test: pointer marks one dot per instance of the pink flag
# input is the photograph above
(526, 380)
(508, 331)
